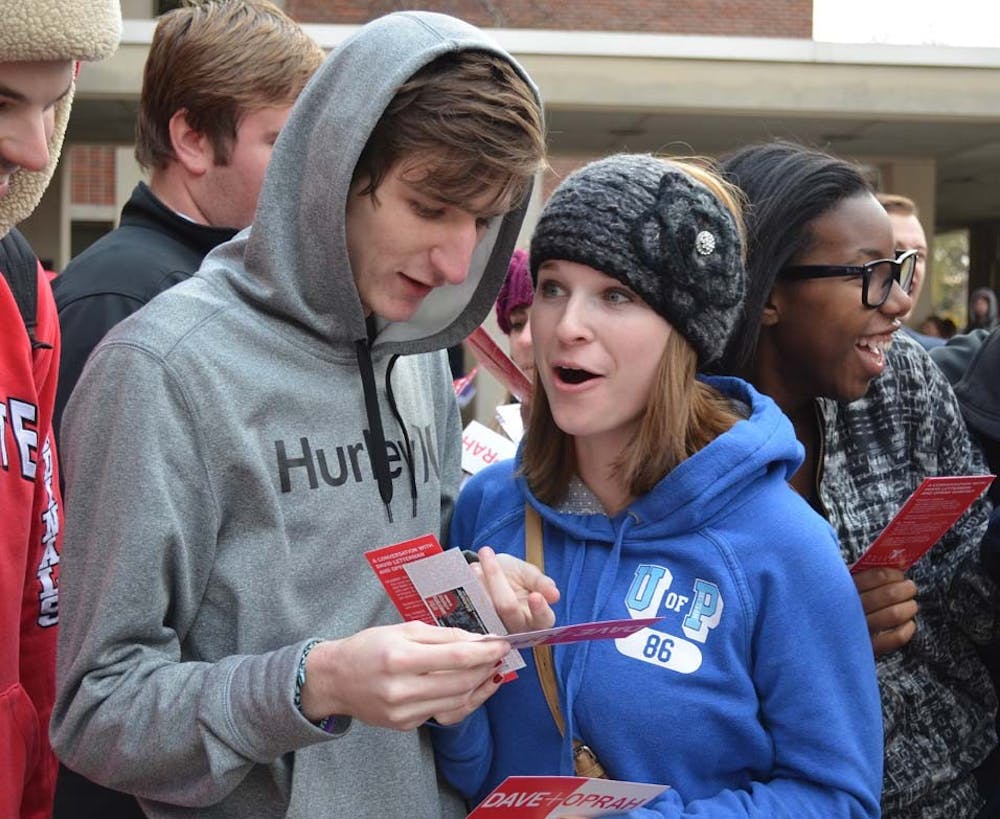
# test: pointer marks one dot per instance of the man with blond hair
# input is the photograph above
(908, 234)
(219, 81)
(41, 44)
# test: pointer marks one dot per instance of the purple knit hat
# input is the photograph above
(516, 290)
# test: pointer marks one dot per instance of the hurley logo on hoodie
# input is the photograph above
(304, 465)
(699, 609)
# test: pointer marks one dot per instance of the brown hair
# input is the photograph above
(219, 60)
(895, 203)
(477, 121)
(682, 415)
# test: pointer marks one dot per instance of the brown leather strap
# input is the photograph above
(543, 653)
(585, 761)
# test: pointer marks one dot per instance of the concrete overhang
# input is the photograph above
(707, 95)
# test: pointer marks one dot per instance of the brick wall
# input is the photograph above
(559, 168)
(742, 18)
(93, 180)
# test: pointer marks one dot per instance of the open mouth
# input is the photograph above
(417, 287)
(571, 375)
(875, 346)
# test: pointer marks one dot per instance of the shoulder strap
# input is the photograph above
(20, 268)
(585, 761)
(543, 653)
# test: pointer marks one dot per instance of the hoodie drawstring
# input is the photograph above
(376, 451)
(580, 651)
(377, 454)
(402, 427)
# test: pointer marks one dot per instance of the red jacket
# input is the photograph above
(30, 540)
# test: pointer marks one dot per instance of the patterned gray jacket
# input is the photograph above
(938, 703)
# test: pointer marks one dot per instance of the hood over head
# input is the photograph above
(51, 30)
(991, 299)
(296, 253)
(293, 262)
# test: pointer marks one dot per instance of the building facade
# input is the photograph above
(680, 77)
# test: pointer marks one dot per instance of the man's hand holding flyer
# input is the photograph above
(438, 587)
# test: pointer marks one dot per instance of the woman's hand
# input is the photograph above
(521, 594)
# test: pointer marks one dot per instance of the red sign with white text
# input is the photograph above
(928, 513)
(547, 797)
(388, 564)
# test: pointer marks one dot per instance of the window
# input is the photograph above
(83, 233)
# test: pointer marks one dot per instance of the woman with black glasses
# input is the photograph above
(825, 296)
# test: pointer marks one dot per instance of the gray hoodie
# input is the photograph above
(222, 490)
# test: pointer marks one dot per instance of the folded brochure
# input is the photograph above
(598, 630)
(499, 364)
(928, 513)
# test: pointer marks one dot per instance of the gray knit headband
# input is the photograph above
(649, 225)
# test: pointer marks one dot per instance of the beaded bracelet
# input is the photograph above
(332, 723)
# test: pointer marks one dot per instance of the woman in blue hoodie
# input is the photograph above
(662, 494)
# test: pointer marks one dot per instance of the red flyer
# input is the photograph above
(499, 364)
(439, 588)
(547, 797)
(388, 563)
(928, 513)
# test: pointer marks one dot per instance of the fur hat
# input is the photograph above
(648, 224)
(516, 290)
(38, 30)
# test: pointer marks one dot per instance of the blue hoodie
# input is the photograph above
(755, 696)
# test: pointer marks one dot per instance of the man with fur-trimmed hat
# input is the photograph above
(40, 45)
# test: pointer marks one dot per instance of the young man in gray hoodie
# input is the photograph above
(41, 46)
(234, 447)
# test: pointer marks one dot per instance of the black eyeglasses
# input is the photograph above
(877, 276)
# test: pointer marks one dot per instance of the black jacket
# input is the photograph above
(152, 249)
(978, 392)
